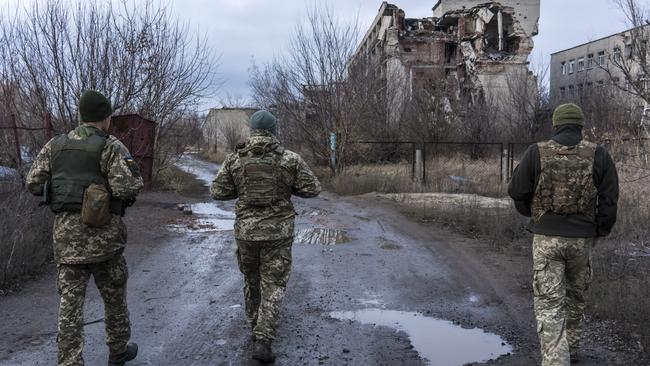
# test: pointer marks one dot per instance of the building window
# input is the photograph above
(581, 89)
(572, 91)
(563, 68)
(581, 64)
(601, 58)
(616, 56)
(590, 85)
(628, 51)
(601, 83)
(572, 66)
(590, 61)
(563, 92)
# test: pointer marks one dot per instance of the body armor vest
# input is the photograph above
(76, 164)
(261, 178)
(565, 184)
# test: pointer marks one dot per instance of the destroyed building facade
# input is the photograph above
(475, 47)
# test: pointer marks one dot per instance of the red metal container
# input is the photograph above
(139, 136)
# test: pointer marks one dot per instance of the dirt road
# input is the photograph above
(369, 287)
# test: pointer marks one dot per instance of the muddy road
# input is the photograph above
(369, 287)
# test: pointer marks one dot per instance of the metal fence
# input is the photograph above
(18, 138)
(381, 158)
(463, 166)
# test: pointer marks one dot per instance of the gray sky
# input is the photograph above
(239, 30)
(243, 29)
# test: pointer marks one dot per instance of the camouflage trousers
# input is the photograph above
(266, 266)
(72, 279)
(561, 275)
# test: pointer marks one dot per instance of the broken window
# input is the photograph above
(590, 61)
(601, 58)
(563, 68)
(581, 64)
(617, 55)
(572, 66)
(451, 50)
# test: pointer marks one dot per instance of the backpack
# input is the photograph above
(261, 177)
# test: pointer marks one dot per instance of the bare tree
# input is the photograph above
(232, 131)
(308, 88)
(137, 54)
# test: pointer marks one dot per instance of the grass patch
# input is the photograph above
(176, 180)
(25, 235)
(212, 156)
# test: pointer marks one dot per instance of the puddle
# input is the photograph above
(208, 216)
(440, 342)
(221, 342)
(202, 170)
(321, 236)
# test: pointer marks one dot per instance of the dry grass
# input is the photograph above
(476, 177)
(176, 180)
(213, 156)
(25, 234)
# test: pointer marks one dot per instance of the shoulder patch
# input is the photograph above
(132, 164)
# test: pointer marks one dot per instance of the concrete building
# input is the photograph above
(577, 70)
(474, 46)
(224, 127)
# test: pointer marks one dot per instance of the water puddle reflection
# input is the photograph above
(321, 236)
(440, 342)
(210, 217)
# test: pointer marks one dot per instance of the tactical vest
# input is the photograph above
(261, 176)
(565, 184)
(76, 164)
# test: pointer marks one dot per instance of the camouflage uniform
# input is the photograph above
(264, 235)
(561, 275)
(81, 251)
(561, 265)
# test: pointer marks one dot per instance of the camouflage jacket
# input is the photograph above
(266, 223)
(74, 242)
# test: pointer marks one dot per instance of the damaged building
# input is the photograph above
(476, 47)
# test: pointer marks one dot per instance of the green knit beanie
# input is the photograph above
(264, 120)
(94, 107)
(568, 114)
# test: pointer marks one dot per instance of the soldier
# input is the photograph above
(569, 188)
(88, 178)
(263, 175)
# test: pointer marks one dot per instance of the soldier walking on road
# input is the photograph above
(263, 176)
(569, 187)
(89, 178)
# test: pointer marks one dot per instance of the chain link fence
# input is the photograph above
(464, 167)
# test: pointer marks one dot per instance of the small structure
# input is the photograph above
(225, 127)
(139, 136)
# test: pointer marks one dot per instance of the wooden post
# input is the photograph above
(419, 166)
(19, 158)
(49, 130)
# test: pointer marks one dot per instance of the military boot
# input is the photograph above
(121, 358)
(262, 352)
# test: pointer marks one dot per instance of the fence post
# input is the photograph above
(501, 169)
(19, 158)
(333, 152)
(419, 165)
(48, 127)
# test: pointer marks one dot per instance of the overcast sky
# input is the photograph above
(239, 30)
